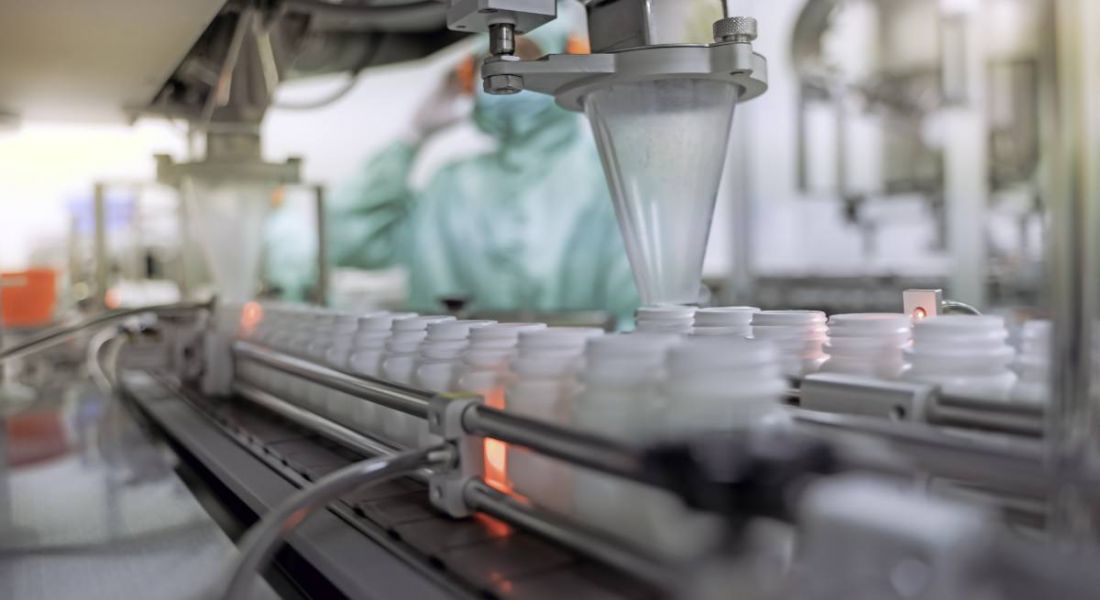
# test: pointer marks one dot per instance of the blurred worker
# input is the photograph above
(527, 226)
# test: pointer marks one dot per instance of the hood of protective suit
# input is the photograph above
(516, 117)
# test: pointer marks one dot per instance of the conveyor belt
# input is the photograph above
(384, 542)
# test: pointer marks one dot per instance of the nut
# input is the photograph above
(503, 84)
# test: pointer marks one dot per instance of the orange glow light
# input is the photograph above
(496, 451)
(919, 313)
(112, 299)
(252, 314)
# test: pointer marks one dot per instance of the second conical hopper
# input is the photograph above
(227, 218)
(663, 145)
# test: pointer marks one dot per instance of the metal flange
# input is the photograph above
(570, 78)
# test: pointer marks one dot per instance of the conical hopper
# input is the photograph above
(227, 219)
(663, 144)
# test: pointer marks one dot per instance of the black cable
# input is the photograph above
(353, 78)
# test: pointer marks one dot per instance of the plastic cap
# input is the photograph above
(666, 312)
(633, 344)
(952, 321)
(558, 337)
(419, 323)
(503, 331)
(705, 354)
(722, 316)
(454, 330)
(871, 321)
(789, 317)
(382, 321)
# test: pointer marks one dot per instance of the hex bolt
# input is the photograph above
(503, 84)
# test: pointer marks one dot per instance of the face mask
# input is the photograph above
(515, 115)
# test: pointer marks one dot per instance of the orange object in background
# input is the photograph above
(28, 298)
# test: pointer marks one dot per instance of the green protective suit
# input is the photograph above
(529, 225)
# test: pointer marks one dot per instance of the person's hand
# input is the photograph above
(444, 107)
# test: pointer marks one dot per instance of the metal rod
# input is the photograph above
(400, 398)
(1071, 153)
(551, 440)
(313, 422)
(1017, 468)
(322, 246)
(219, 95)
(1015, 418)
(480, 496)
(502, 39)
(99, 209)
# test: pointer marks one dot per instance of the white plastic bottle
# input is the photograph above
(543, 384)
(719, 384)
(724, 320)
(483, 370)
(368, 347)
(965, 355)
(867, 344)
(621, 376)
(322, 324)
(369, 343)
(441, 352)
(437, 363)
(798, 336)
(340, 406)
(398, 363)
(1033, 364)
(665, 318)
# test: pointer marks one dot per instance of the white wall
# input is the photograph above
(45, 166)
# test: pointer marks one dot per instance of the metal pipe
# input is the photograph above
(1015, 418)
(1018, 468)
(400, 398)
(480, 496)
(219, 95)
(99, 209)
(322, 246)
(60, 334)
(315, 423)
(1071, 154)
(581, 449)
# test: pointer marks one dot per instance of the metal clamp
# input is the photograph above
(569, 78)
(866, 396)
(448, 484)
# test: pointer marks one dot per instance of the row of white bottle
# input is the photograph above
(629, 387)
(669, 380)
(965, 355)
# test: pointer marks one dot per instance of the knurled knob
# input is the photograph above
(735, 29)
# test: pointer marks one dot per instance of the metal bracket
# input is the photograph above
(447, 486)
(478, 15)
(866, 396)
(569, 78)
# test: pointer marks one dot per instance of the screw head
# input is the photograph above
(503, 84)
(735, 29)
